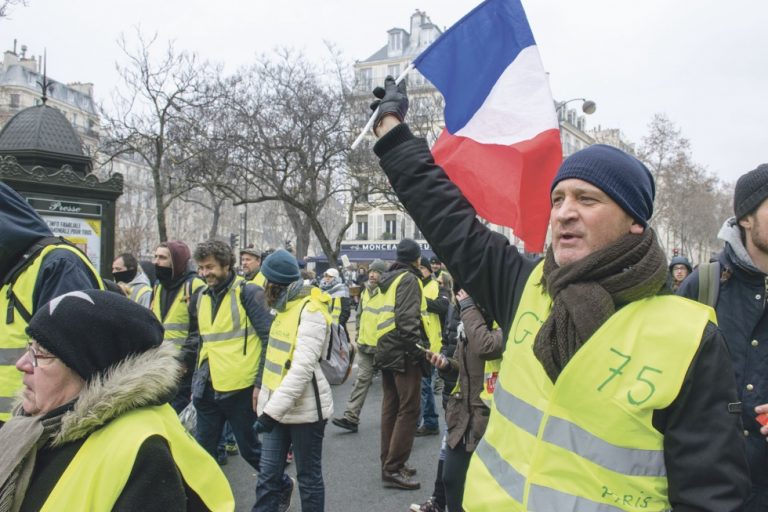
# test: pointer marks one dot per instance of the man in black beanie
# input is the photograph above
(607, 379)
(400, 334)
(737, 282)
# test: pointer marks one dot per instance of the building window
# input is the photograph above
(417, 235)
(366, 79)
(394, 70)
(396, 41)
(15, 101)
(390, 227)
(362, 227)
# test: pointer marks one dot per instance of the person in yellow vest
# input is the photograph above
(129, 276)
(437, 307)
(34, 268)
(172, 294)
(367, 314)
(234, 322)
(250, 264)
(93, 429)
(341, 304)
(296, 400)
(607, 380)
(399, 356)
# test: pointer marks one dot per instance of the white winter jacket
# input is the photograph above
(294, 401)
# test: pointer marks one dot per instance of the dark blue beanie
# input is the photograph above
(281, 267)
(620, 175)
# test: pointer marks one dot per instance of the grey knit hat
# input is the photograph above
(751, 191)
(378, 265)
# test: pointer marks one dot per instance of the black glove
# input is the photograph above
(265, 423)
(393, 100)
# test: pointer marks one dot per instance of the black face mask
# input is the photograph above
(164, 274)
(126, 276)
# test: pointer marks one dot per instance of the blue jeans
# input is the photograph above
(429, 418)
(237, 408)
(307, 440)
(227, 437)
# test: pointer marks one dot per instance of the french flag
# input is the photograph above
(501, 142)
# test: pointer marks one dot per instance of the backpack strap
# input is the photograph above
(709, 283)
(29, 256)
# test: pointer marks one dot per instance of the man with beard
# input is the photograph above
(130, 278)
(740, 275)
(176, 285)
(35, 267)
(250, 262)
(612, 394)
(233, 320)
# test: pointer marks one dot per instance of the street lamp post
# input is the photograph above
(587, 106)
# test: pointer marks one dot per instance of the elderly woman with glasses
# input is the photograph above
(92, 429)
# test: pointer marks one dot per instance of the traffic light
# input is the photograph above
(234, 240)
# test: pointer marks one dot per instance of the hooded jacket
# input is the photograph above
(62, 271)
(155, 483)
(741, 316)
(397, 348)
(140, 280)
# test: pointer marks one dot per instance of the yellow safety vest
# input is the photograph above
(230, 344)
(432, 320)
(283, 334)
(385, 322)
(371, 307)
(586, 442)
(98, 473)
(176, 321)
(138, 291)
(259, 279)
(490, 374)
(335, 309)
(13, 337)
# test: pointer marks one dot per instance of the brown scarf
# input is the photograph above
(587, 292)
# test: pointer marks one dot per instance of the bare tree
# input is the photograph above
(5, 6)
(159, 89)
(295, 134)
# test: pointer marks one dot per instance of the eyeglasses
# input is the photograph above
(38, 357)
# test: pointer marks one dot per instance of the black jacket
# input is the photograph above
(397, 348)
(703, 444)
(742, 318)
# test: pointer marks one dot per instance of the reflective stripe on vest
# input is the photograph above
(230, 343)
(139, 291)
(431, 321)
(587, 442)
(282, 338)
(176, 321)
(13, 337)
(335, 309)
(98, 473)
(372, 306)
(385, 321)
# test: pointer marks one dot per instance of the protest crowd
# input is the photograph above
(600, 375)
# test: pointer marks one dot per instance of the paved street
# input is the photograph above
(351, 464)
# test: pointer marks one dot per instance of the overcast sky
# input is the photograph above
(703, 63)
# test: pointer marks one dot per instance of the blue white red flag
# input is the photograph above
(501, 142)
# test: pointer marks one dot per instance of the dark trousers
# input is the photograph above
(428, 413)
(307, 442)
(455, 469)
(237, 408)
(184, 395)
(400, 410)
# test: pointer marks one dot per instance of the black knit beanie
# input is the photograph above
(92, 330)
(620, 175)
(751, 191)
(408, 251)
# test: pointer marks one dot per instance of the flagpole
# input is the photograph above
(369, 124)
